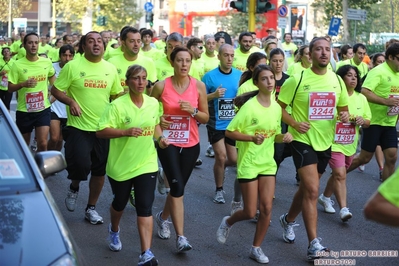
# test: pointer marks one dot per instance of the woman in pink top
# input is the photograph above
(184, 102)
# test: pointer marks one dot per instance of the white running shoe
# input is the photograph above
(345, 214)
(71, 199)
(327, 204)
(182, 244)
(114, 243)
(163, 226)
(235, 206)
(257, 254)
(288, 229)
(92, 216)
(210, 152)
(219, 198)
(161, 181)
(315, 249)
(223, 231)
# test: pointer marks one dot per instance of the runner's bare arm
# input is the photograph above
(203, 114)
(51, 80)
(301, 127)
(382, 211)
(30, 83)
(373, 98)
(74, 108)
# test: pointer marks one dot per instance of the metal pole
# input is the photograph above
(38, 17)
(392, 18)
(53, 32)
(283, 29)
(354, 37)
(251, 13)
(9, 18)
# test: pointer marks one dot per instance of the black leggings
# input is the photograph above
(144, 187)
(6, 96)
(178, 163)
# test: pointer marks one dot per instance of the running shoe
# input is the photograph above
(345, 214)
(223, 231)
(257, 254)
(219, 198)
(71, 199)
(163, 226)
(210, 152)
(315, 249)
(288, 229)
(147, 259)
(327, 204)
(114, 243)
(92, 216)
(235, 206)
(182, 244)
(161, 181)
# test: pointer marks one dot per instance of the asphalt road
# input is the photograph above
(202, 218)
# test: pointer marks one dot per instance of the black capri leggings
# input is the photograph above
(178, 163)
(144, 187)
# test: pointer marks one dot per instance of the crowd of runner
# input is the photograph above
(129, 106)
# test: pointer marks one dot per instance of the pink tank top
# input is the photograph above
(184, 130)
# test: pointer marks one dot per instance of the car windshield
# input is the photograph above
(16, 175)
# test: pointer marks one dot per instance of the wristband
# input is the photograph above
(159, 139)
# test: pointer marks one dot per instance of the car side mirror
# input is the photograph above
(50, 162)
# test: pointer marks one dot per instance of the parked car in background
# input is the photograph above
(32, 230)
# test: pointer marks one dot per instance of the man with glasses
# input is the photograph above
(196, 46)
(382, 92)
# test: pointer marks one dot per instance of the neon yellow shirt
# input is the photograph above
(240, 59)
(154, 54)
(164, 68)
(358, 106)
(362, 67)
(44, 49)
(5, 66)
(287, 48)
(160, 45)
(295, 68)
(90, 85)
(210, 63)
(383, 82)
(122, 64)
(197, 69)
(321, 133)
(54, 55)
(15, 46)
(21, 53)
(247, 86)
(32, 99)
(113, 52)
(390, 189)
(253, 118)
(130, 157)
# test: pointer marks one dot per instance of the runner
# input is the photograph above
(89, 83)
(221, 88)
(314, 99)
(242, 53)
(345, 143)
(131, 122)
(6, 63)
(184, 102)
(30, 77)
(382, 94)
(58, 109)
(256, 127)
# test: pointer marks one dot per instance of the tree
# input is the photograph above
(18, 7)
(118, 13)
(336, 8)
(236, 22)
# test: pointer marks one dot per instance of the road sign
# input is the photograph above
(282, 11)
(282, 23)
(357, 14)
(148, 7)
(334, 26)
(20, 22)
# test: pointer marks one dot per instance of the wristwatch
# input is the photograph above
(195, 112)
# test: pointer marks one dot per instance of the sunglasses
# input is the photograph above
(200, 47)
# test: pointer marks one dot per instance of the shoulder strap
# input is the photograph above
(296, 89)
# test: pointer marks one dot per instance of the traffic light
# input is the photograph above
(262, 6)
(101, 20)
(149, 17)
(239, 5)
(182, 23)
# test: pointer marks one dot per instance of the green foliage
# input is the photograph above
(118, 13)
(18, 6)
(236, 22)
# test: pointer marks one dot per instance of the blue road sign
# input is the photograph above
(334, 26)
(148, 7)
(282, 11)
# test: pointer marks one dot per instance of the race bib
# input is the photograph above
(345, 133)
(321, 105)
(393, 110)
(34, 101)
(4, 81)
(179, 130)
(225, 109)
